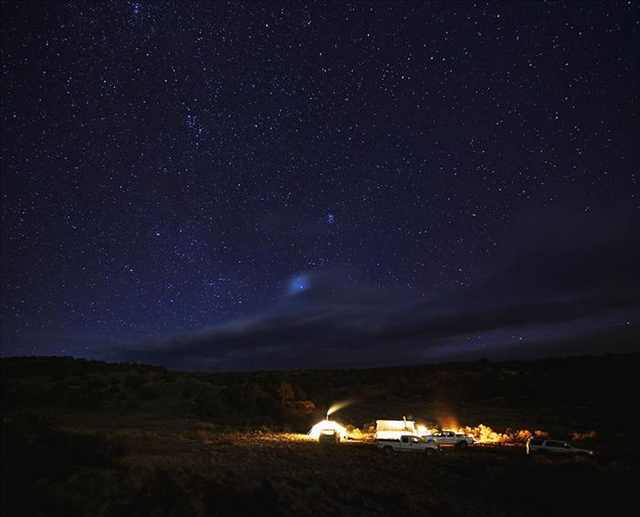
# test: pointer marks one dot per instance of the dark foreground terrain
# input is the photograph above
(89, 438)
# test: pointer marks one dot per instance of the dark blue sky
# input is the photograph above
(309, 177)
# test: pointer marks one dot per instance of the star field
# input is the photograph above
(170, 166)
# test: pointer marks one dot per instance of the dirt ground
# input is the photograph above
(265, 473)
(118, 440)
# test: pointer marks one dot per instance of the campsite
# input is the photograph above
(90, 438)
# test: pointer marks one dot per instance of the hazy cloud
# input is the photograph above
(334, 320)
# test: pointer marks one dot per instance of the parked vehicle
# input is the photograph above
(540, 446)
(329, 437)
(451, 438)
(407, 443)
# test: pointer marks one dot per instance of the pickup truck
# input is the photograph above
(450, 438)
(407, 443)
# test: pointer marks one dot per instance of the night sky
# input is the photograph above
(252, 185)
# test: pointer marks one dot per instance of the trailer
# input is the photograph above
(394, 429)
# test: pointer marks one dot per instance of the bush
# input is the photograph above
(38, 455)
(133, 381)
(148, 392)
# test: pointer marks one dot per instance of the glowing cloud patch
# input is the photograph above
(298, 283)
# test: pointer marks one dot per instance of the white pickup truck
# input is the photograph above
(407, 443)
(450, 438)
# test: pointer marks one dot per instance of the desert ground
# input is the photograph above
(88, 438)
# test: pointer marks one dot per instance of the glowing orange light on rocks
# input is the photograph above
(482, 433)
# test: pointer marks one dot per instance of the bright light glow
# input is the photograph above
(298, 283)
(327, 426)
(394, 429)
(422, 430)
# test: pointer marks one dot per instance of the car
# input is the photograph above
(407, 443)
(451, 438)
(544, 446)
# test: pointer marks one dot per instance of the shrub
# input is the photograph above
(133, 381)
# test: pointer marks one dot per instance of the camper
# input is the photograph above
(394, 429)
